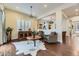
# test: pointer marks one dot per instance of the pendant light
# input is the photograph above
(31, 11)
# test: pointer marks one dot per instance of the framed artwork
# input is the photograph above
(49, 27)
(40, 26)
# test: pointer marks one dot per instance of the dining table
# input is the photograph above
(34, 38)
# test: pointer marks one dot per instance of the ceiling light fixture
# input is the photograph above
(17, 7)
(76, 10)
(32, 14)
(45, 6)
(31, 10)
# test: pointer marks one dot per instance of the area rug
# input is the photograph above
(27, 47)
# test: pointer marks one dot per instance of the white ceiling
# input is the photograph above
(38, 8)
(70, 11)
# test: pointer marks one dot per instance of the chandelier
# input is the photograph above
(31, 11)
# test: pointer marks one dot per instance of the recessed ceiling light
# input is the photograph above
(76, 10)
(45, 6)
(17, 7)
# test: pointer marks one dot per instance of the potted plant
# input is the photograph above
(34, 33)
(9, 33)
(8, 29)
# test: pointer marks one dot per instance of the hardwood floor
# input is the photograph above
(57, 50)
(65, 49)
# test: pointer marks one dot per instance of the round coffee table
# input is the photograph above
(34, 38)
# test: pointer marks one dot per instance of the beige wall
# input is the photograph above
(11, 18)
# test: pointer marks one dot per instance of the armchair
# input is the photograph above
(52, 38)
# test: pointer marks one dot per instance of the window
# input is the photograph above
(23, 24)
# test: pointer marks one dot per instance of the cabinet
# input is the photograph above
(64, 36)
(22, 34)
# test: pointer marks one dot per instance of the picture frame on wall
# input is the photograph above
(49, 27)
(40, 26)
